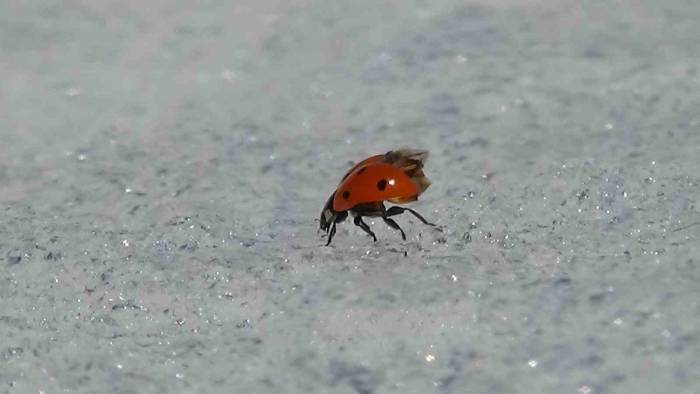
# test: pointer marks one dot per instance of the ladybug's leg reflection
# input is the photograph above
(396, 210)
(358, 222)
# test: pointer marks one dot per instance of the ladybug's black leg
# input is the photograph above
(331, 234)
(393, 224)
(327, 224)
(396, 210)
(337, 218)
(358, 222)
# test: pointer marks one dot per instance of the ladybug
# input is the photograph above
(396, 176)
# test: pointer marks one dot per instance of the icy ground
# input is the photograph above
(163, 164)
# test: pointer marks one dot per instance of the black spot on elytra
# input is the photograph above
(361, 170)
(346, 194)
(381, 185)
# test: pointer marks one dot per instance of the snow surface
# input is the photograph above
(163, 165)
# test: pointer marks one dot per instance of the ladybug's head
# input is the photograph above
(327, 214)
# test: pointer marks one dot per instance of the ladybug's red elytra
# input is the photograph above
(396, 176)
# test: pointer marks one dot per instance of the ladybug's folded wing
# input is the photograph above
(403, 200)
(411, 162)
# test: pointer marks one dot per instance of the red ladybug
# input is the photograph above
(396, 176)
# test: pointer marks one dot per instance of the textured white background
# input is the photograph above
(162, 165)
